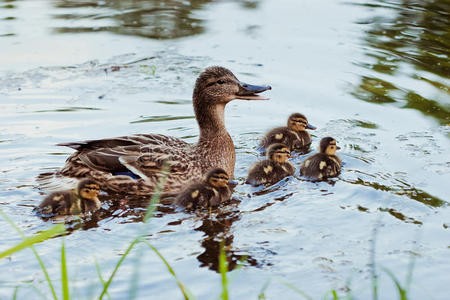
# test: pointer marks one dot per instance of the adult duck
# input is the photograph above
(134, 164)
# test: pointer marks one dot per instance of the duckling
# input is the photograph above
(81, 200)
(272, 169)
(323, 164)
(294, 135)
(213, 191)
(141, 156)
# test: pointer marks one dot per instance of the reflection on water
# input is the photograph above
(397, 187)
(414, 43)
(165, 19)
(217, 233)
(154, 19)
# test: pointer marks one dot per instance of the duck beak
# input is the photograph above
(248, 91)
(232, 182)
(312, 127)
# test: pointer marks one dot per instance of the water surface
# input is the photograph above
(372, 74)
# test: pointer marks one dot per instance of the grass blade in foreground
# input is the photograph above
(401, 291)
(41, 263)
(184, 290)
(223, 268)
(150, 210)
(30, 241)
(106, 285)
(64, 277)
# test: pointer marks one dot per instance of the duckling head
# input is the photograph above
(217, 177)
(278, 152)
(217, 85)
(328, 146)
(298, 122)
(88, 189)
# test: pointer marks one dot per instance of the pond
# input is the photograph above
(375, 75)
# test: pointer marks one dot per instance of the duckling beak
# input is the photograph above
(337, 147)
(312, 127)
(248, 91)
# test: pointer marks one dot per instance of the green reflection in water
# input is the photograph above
(401, 189)
(67, 109)
(415, 40)
(153, 19)
(161, 118)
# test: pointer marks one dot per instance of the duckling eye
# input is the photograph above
(220, 81)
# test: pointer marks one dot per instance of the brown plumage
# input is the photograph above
(272, 169)
(213, 191)
(294, 135)
(324, 164)
(81, 200)
(133, 164)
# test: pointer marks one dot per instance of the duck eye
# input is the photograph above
(220, 81)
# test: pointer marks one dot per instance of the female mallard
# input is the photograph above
(323, 164)
(213, 191)
(134, 164)
(272, 169)
(294, 135)
(81, 200)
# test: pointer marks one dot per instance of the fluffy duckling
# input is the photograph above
(81, 200)
(213, 191)
(323, 164)
(272, 169)
(294, 135)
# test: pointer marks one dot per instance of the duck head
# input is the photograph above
(278, 152)
(217, 85)
(88, 189)
(298, 122)
(217, 177)
(328, 146)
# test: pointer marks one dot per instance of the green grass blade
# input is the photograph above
(100, 277)
(411, 265)
(296, 289)
(186, 293)
(134, 280)
(38, 258)
(14, 297)
(64, 277)
(237, 268)
(157, 193)
(223, 269)
(28, 242)
(400, 289)
(261, 295)
(122, 258)
(373, 270)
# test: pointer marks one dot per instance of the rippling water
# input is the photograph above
(372, 74)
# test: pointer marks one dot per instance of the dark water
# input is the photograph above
(372, 74)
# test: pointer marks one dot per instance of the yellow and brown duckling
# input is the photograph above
(323, 164)
(77, 201)
(294, 135)
(213, 191)
(272, 169)
(133, 164)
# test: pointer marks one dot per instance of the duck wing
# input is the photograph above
(142, 161)
(135, 139)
